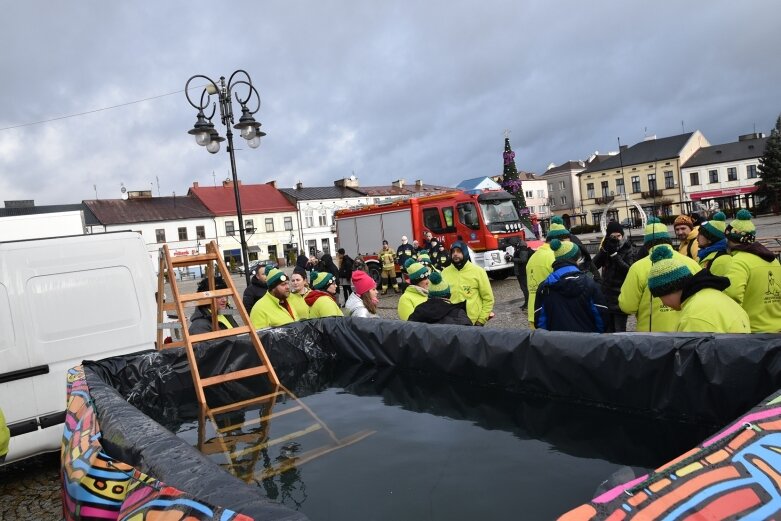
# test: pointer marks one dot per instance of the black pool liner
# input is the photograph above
(707, 379)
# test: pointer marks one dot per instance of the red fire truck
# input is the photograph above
(487, 221)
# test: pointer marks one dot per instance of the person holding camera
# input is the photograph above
(616, 254)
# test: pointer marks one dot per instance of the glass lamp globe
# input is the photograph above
(203, 138)
(248, 132)
(213, 147)
(254, 142)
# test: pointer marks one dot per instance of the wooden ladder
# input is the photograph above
(215, 266)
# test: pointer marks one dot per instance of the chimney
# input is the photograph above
(623, 147)
(299, 185)
(748, 137)
(652, 137)
(273, 183)
(228, 183)
(418, 184)
(139, 194)
(195, 184)
(399, 183)
(347, 182)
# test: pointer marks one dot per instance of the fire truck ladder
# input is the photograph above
(214, 263)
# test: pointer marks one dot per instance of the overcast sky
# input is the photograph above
(404, 89)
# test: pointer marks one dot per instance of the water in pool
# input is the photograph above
(369, 444)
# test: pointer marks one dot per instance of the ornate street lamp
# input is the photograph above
(206, 135)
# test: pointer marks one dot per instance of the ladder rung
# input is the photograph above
(192, 260)
(171, 345)
(240, 405)
(235, 375)
(221, 333)
(217, 293)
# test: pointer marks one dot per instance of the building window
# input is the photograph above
(651, 182)
(529, 193)
(249, 225)
(605, 189)
(326, 246)
(751, 171)
(200, 232)
(694, 178)
(309, 218)
(269, 224)
(563, 199)
(540, 194)
(562, 185)
(669, 182)
(596, 216)
(635, 184)
(160, 235)
(590, 190)
(713, 175)
(531, 209)
(322, 218)
(229, 230)
(620, 186)
(732, 174)
(288, 224)
(183, 234)
(550, 187)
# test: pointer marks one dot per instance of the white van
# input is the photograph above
(64, 300)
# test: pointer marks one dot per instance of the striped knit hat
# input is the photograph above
(557, 229)
(321, 280)
(742, 229)
(438, 287)
(713, 230)
(668, 274)
(424, 258)
(416, 270)
(655, 230)
(274, 277)
(565, 250)
(268, 268)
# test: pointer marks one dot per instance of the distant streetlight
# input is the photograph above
(207, 136)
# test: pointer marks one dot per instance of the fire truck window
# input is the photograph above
(467, 215)
(431, 219)
(448, 214)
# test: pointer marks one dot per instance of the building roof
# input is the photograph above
(735, 151)
(647, 151)
(393, 190)
(566, 167)
(471, 184)
(13, 211)
(320, 192)
(255, 198)
(146, 209)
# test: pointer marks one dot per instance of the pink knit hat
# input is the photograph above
(362, 282)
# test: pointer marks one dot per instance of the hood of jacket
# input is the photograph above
(435, 309)
(755, 248)
(701, 280)
(315, 294)
(566, 279)
(464, 249)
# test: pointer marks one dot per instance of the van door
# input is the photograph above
(468, 225)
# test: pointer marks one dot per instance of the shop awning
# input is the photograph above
(254, 249)
(726, 192)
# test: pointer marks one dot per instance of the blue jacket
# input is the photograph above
(569, 300)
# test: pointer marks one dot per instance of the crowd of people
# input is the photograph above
(719, 280)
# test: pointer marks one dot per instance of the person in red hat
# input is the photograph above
(362, 302)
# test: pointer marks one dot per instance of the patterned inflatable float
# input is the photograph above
(734, 474)
(95, 486)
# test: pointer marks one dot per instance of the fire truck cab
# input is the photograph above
(487, 221)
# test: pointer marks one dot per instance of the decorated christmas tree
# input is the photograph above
(769, 184)
(511, 183)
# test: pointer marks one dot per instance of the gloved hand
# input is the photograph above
(610, 245)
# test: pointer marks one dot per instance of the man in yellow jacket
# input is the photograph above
(687, 232)
(755, 276)
(712, 254)
(699, 298)
(417, 291)
(636, 298)
(273, 309)
(469, 283)
(540, 264)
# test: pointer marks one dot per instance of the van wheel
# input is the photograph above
(499, 274)
(374, 272)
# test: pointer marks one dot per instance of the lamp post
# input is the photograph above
(207, 136)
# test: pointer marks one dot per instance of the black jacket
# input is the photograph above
(440, 258)
(346, 268)
(569, 300)
(441, 311)
(253, 293)
(201, 321)
(327, 264)
(615, 265)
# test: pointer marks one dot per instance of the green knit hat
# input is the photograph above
(415, 270)
(424, 258)
(564, 250)
(321, 280)
(438, 287)
(557, 229)
(713, 230)
(668, 274)
(655, 230)
(268, 268)
(274, 277)
(742, 229)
